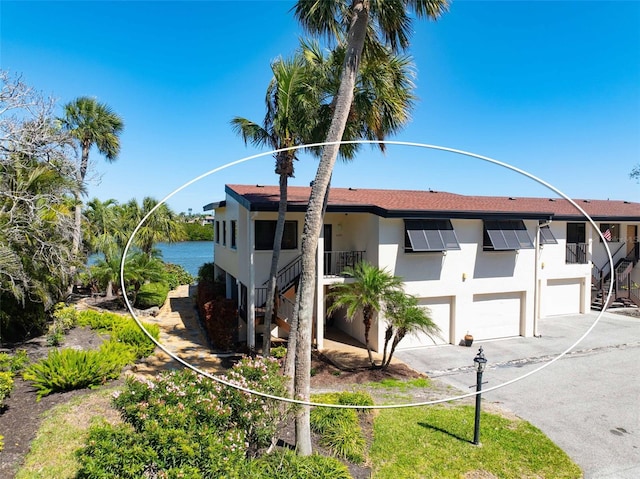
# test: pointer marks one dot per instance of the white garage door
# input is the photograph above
(440, 313)
(496, 315)
(562, 296)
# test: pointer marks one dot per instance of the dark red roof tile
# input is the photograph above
(441, 202)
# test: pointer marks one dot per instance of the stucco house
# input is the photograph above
(490, 266)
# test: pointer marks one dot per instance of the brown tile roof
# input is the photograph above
(408, 203)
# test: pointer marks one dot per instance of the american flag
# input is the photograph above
(607, 234)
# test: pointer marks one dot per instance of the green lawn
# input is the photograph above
(436, 442)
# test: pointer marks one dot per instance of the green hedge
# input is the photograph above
(152, 294)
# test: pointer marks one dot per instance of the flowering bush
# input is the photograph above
(184, 423)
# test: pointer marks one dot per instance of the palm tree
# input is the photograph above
(92, 124)
(404, 317)
(370, 290)
(161, 226)
(300, 105)
(285, 124)
(374, 22)
(104, 234)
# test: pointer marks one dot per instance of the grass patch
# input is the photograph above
(63, 432)
(436, 443)
(400, 385)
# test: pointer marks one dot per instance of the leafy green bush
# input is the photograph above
(339, 428)
(206, 272)
(177, 275)
(288, 465)
(279, 352)
(130, 334)
(68, 369)
(6, 385)
(152, 294)
(104, 322)
(116, 451)
(64, 318)
(15, 362)
(185, 425)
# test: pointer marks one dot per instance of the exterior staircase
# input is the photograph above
(626, 294)
(286, 283)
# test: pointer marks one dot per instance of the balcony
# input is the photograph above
(335, 262)
(577, 253)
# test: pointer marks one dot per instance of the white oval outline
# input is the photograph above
(375, 142)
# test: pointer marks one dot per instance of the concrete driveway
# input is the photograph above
(588, 402)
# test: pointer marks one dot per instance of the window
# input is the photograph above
(429, 235)
(266, 231)
(217, 232)
(234, 233)
(576, 233)
(506, 235)
(610, 231)
(546, 236)
(224, 233)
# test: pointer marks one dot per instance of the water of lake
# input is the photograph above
(188, 254)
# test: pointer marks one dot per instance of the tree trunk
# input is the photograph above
(388, 334)
(275, 257)
(290, 360)
(399, 335)
(367, 319)
(313, 220)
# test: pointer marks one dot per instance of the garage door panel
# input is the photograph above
(562, 296)
(496, 315)
(440, 313)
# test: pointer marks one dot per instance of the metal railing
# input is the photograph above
(577, 253)
(287, 275)
(335, 262)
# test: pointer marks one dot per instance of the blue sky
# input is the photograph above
(549, 87)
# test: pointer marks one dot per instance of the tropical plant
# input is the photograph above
(404, 316)
(370, 289)
(161, 226)
(360, 22)
(36, 190)
(90, 123)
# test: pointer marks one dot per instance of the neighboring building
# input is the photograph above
(490, 266)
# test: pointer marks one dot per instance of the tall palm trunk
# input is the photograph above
(76, 238)
(275, 258)
(313, 221)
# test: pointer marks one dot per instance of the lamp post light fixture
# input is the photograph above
(480, 362)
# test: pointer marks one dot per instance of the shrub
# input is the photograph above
(68, 369)
(199, 427)
(6, 385)
(286, 464)
(206, 272)
(152, 294)
(116, 451)
(64, 318)
(1, 443)
(339, 428)
(177, 275)
(129, 333)
(104, 322)
(14, 363)
(279, 352)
